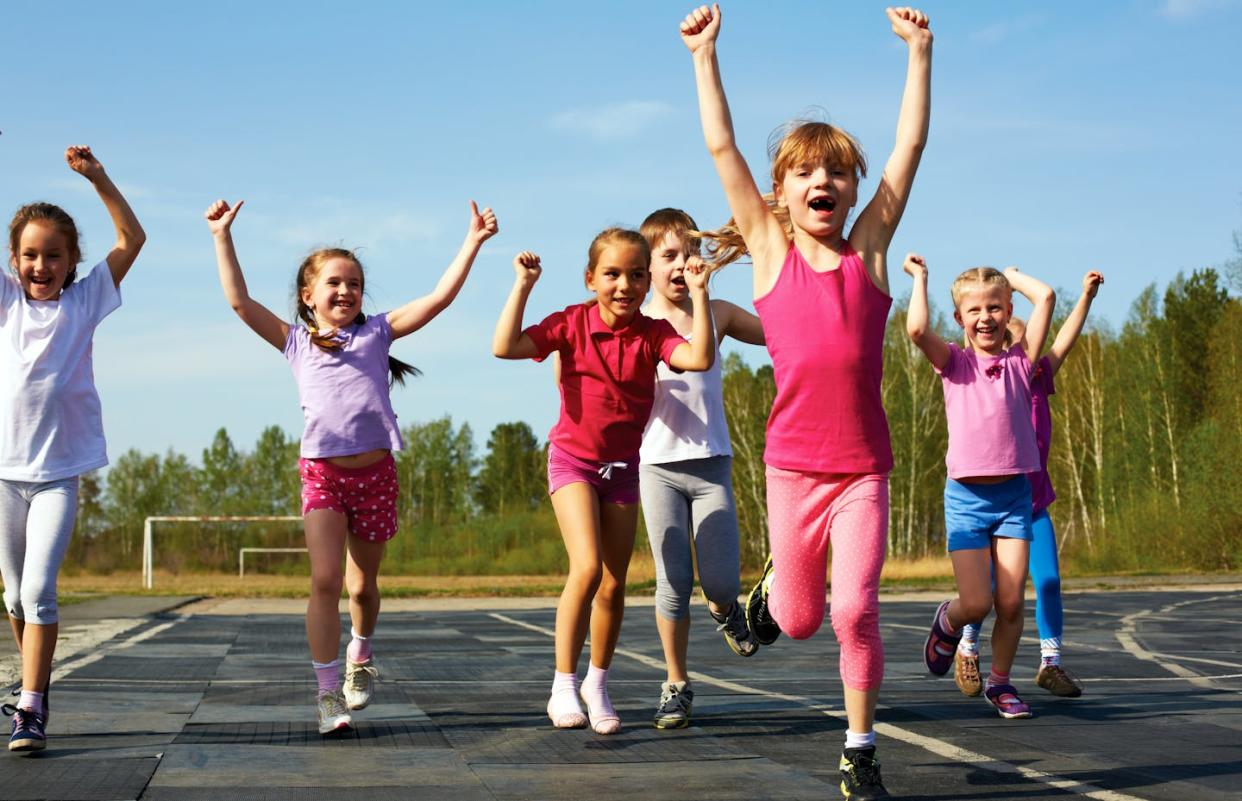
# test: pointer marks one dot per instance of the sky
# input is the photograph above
(1065, 136)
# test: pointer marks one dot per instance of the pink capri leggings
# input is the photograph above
(806, 512)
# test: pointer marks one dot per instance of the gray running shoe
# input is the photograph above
(359, 683)
(676, 698)
(333, 716)
(736, 633)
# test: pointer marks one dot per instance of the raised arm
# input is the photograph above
(129, 234)
(734, 321)
(700, 352)
(1068, 335)
(877, 223)
(254, 314)
(764, 236)
(509, 342)
(1044, 300)
(918, 323)
(420, 311)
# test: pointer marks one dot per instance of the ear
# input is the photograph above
(778, 192)
(589, 279)
(957, 315)
(305, 295)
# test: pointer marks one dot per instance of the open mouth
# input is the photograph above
(824, 205)
(678, 281)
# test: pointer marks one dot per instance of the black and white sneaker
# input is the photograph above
(860, 775)
(736, 633)
(764, 629)
(676, 698)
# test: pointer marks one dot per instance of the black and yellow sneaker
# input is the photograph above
(764, 629)
(676, 699)
(860, 775)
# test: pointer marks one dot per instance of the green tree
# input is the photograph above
(512, 476)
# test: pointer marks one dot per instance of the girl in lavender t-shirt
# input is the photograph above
(349, 479)
(987, 498)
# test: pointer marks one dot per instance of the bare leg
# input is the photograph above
(618, 525)
(577, 513)
(675, 637)
(362, 565)
(1010, 559)
(326, 534)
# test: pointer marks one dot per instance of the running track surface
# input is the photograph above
(213, 701)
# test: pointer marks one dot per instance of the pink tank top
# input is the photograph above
(825, 332)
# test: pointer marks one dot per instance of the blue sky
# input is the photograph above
(1065, 136)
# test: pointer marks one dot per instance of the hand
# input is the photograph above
(701, 26)
(696, 273)
(910, 24)
(914, 265)
(482, 224)
(220, 216)
(82, 160)
(1091, 283)
(527, 267)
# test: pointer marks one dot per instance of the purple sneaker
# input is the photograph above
(27, 731)
(939, 649)
(1008, 705)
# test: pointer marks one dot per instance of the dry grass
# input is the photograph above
(920, 572)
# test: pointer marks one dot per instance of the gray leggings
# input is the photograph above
(691, 498)
(36, 522)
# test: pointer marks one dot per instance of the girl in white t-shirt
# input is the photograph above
(49, 415)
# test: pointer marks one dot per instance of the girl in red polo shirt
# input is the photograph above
(608, 354)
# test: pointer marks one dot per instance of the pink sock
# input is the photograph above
(359, 650)
(31, 701)
(328, 675)
(595, 693)
(995, 679)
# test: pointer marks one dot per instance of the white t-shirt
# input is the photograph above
(688, 418)
(50, 421)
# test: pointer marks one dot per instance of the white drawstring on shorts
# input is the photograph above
(605, 469)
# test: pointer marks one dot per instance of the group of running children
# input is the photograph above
(642, 417)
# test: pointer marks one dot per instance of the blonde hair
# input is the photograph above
(797, 143)
(663, 222)
(307, 272)
(981, 276)
(57, 218)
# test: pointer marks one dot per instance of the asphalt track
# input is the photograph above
(213, 701)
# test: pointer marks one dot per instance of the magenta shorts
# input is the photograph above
(367, 496)
(615, 482)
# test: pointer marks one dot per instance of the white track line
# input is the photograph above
(1127, 635)
(938, 747)
(70, 665)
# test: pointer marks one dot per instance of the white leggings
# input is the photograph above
(36, 522)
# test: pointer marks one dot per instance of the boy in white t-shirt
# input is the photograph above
(52, 431)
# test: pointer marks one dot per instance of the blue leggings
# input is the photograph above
(1046, 574)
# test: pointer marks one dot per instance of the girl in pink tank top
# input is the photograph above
(822, 296)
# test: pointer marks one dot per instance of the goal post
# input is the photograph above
(148, 534)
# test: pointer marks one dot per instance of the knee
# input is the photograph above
(1009, 606)
(326, 583)
(610, 593)
(584, 580)
(854, 621)
(363, 590)
(1046, 586)
(802, 623)
(974, 610)
(722, 592)
(38, 604)
(671, 602)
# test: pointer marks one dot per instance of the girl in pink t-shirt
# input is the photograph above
(822, 297)
(608, 353)
(987, 498)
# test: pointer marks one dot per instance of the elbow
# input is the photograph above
(132, 241)
(1048, 296)
(720, 146)
(916, 332)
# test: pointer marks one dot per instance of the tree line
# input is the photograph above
(1147, 440)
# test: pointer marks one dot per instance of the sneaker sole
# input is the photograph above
(356, 707)
(665, 725)
(927, 644)
(1012, 715)
(27, 745)
(340, 727)
(753, 598)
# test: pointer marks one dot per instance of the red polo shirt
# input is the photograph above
(607, 379)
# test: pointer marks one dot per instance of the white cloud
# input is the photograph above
(610, 122)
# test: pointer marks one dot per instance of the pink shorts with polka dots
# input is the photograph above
(367, 496)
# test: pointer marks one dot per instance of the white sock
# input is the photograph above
(855, 739)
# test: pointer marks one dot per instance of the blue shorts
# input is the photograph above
(975, 513)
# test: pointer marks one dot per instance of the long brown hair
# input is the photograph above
(56, 217)
(307, 272)
(790, 146)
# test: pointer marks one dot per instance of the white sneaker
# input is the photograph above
(333, 716)
(359, 678)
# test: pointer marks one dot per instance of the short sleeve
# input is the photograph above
(952, 369)
(295, 341)
(1017, 356)
(549, 335)
(97, 293)
(665, 338)
(10, 293)
(379, 323)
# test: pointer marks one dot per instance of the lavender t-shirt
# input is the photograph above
(344, 392)
(987, 400)
(1042, 494)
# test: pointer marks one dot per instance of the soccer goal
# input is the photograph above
(148, 534)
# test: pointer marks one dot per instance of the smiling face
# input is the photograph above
(818, 197)
(668, 265)
(334, 295)
(43, 260)
(620, 280)
(983, 311)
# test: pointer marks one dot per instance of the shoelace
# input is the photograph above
(673, 698)
(735, 624)
(970, 669)
(864, 770)
(334, 703)
(356, 682)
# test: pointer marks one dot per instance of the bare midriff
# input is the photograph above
(356, 460)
